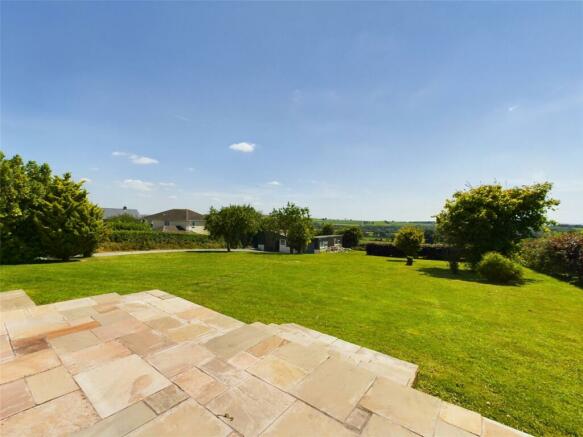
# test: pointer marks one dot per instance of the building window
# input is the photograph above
(166, 223)
(282, 242)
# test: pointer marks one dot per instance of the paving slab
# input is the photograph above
(164, 324)
(461, 418)
(444, 429)
(107, 298)
(238, 340)
(200, 386)
(335, 387)
(94, 356)
(242, 360)
(251, 406)
(404, 406)
(224, 372)
(173, 305)
(166, 399)
(278, 372)
(266, 346)
(358, 419)
(15, 300)
(74, 342)
(5, 348)
(302, 420)
(120, 423)
(145, 342)
(185, 419)
(189, 332)
(495, 429)
(119, 329)
(114, 386)
(379, 426)
(59, 417)
(306, 357)
(177, 359)
(74, 303)
(27, 365)
(51, 384)
(14, 398)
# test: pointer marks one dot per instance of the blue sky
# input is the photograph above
(357, 110)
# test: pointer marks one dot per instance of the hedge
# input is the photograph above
(145, 240)
(428, 251)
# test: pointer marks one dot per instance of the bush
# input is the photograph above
(428, 251)
(126, 222)
(497, 268)
(146, 240)
(351, 237)
(559, 255)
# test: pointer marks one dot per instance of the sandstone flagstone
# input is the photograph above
(15, 300)
(358, 418)
(335, 387)
(119, 424)
(180, 358)
(119, 329)
(242, 360)
(238, 340)
(59, 417)
(444, 429)
(224, 372)
(252, 406)
(266, 346)
(163, 324)
(29, 364)
(145, 342)
(378, 426)
(199, 385)
(51, 384)
(5, 348)
(94, 356)
(187, 418)
(107, 298)
(495, 429)
(278, 372)
(166, 399)
(461, 418)
(405, 406)
(74, 342)
(74, 303)
(187, 332)
(14, 397)
(113, 386)
(303, 420)
(306, 357)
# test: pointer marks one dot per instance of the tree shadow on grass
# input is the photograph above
(467, 276)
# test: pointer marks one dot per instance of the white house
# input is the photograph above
(175, 220)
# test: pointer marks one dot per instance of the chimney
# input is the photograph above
(125, 208)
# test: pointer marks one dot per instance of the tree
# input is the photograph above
(409, 239)
(43, 215)
(68, 223)
(351, 237)
(491, 218)
(235, 224)
(294, 223)
(327, 229)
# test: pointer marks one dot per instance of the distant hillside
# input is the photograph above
(385, 229)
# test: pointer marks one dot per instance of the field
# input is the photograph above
(513, 353)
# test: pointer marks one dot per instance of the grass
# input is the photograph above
(512, 353)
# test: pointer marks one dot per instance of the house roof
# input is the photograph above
(327, 236)
(115, 212)
(176, 215)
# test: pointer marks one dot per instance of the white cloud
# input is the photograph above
(137, 159)
(274, 183)
(167, 184)
(86, 180)
(243, 147)
(142, 160)
(137, 184)
(173, 197)
(512, 108)
(190, 169)
(182, 117)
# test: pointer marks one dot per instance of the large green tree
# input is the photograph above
(351, 236)
(327, 229)
(235, 224)
(493, 218)
(42, 215)
(294, 223)
(69, 224)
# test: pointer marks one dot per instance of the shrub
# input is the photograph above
(428, 251)
(497, 268)
(126, 222)
(351, 237)
(146, 240)
(559, 255)
(409, 239)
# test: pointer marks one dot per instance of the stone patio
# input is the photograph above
(153, 364)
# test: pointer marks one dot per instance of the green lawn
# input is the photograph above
(512, 353)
